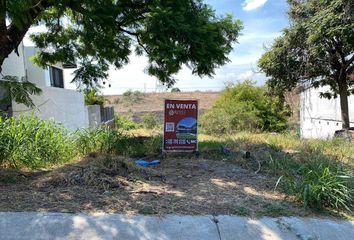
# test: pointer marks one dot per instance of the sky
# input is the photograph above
(263, 21)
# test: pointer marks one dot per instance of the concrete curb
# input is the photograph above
(35, 226)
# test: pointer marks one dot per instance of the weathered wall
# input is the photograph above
(61, 105)
(320, 117)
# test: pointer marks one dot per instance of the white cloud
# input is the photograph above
(249, 5)
(248, 75)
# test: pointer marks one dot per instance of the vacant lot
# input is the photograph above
(140, 104)
(178, 185)
(215, 183)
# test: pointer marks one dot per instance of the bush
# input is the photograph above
(130, 97)
(150, 121)
(126, 123)
(92, 97)
(245, 106)
(175, 89)
(32, 142)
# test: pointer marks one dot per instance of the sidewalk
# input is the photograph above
(70, 226)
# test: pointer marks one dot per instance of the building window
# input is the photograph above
(56, 77)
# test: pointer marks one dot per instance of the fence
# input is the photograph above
(99, 115)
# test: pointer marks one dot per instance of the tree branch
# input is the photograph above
(338, 49)
(16, 34)
(142, 45)
(127, 31)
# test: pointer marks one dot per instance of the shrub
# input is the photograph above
(93, 98)
(32, 142)
(126, 123)
(130, 97)
(150, 121)
(175, 89)
(245, 106)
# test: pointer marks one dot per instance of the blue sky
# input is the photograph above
(263, 21)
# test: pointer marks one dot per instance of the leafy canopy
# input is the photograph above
(317, 48)
(98, 33)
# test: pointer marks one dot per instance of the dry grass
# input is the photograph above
(153, 102)
(115, 185)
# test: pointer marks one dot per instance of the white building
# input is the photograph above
(321, 117)
(62, 105)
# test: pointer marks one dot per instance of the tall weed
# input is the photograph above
(100, 140)
(32, 142)
(318, 182)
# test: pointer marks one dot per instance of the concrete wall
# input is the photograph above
(14, 65)
(61, 105)
(35, 74)
(320, 117)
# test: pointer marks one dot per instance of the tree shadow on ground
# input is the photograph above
(215, 184)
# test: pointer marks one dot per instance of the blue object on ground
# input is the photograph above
(144, 163)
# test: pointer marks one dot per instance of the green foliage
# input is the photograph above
(33, 143)
(105, 140)
(144, 147)
(29, 142)
(89, 76)
(92, 97)
(99, 33)
(319, 40)
(126, 123)
(18, 90)
(175, 89)
(150, 121)
(318, 182)
(100, 140)
(131, 97)
(317, 48)
(245, 106)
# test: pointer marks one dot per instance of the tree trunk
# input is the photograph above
(343, 94)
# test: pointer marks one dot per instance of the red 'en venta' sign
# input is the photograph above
(181, 125)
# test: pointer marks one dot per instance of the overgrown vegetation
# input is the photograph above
(244, 106)
(33, 143)
(126, 123)
(30, 142)
(150, 121)
(318, 173)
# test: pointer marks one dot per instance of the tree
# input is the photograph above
(317, 49)
(98, 33)
(175, 89)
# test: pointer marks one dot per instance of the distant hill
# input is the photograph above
(137, 104)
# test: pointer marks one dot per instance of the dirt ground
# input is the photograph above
(114, 185)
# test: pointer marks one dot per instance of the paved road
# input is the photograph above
(70, 226)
